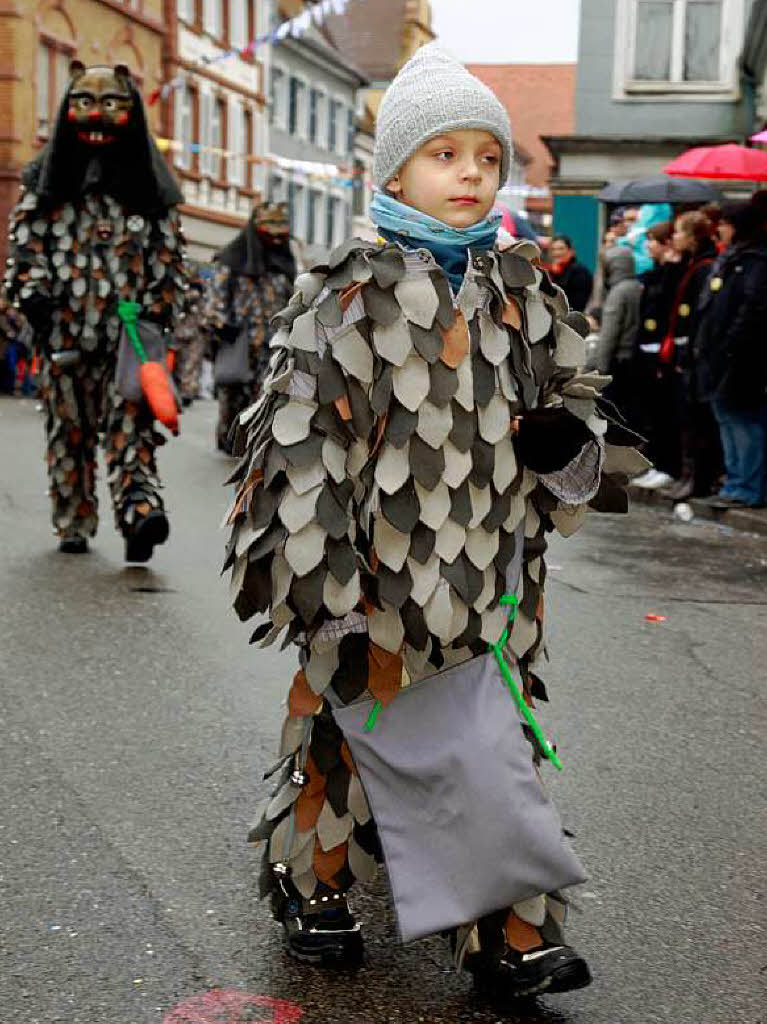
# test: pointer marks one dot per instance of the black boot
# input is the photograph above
(146, 531)
(73, 544)
(514, 975)
(321, 930)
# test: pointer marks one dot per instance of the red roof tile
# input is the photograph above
(540, 99)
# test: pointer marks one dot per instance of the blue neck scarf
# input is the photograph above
(415, 230)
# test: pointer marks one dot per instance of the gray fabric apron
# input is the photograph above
(465, 824)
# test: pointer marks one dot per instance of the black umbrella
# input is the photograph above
(659, 188)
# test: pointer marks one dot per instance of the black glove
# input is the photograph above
(227, 334)
(37, 310)
(550, 438)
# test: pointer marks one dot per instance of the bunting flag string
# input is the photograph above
(294, 27)
(339, 174)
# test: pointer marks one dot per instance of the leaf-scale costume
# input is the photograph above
(382, 495)
(95, 223)
(252, 281)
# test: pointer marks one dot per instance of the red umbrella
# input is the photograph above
(730, 162)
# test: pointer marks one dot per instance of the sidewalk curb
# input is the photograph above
(746, 520)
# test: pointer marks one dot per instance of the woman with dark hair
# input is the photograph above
(659, 285)
(731, 354)
(573, 277)
(688, 442)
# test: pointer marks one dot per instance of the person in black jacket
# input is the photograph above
(692, 441)
(653, 411)
(571, 276)
(731, 355)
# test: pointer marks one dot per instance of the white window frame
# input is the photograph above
(282, 197)
(183, 156)
(313, 89)
(236, 142)
(210, 163)
(323, 118)
(185, 10)
(302, 114)
(299, 220)
(319, 214)
(238, 24)
(339, 221)
(725, 89)
(281, 98)
(205, 118)
(213, 18)
(257, 175)
(343, 105)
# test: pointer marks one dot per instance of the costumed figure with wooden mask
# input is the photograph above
(252, 282)
(95, 232)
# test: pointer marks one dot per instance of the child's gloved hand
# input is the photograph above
(547, 439)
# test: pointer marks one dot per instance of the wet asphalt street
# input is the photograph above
(135, 723)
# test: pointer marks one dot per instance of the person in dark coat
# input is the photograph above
(731, 355)
(659, 286)
(573, 278)
(689, 449)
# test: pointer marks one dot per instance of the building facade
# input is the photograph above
(38, 39)
(540, 99)
(654, 79)
(217, 114)
(313, 119)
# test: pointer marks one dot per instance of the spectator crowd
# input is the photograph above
(678, 313)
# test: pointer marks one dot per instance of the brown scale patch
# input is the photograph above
(455, 342)
(520, 935)
(384, 673)
(301, 698)
(254, 478)
(343, 408)
(327, 863)
(346, 297)
(309, 804)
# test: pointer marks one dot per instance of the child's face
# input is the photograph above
(453, 177)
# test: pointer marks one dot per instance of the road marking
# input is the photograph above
(232, 1006)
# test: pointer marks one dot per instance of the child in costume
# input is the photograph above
(95, 224)
(424, 409)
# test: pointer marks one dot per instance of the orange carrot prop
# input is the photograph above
(152, 375)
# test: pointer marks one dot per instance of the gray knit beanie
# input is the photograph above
(433, 93)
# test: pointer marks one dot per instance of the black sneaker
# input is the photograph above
(513, 975)
(73, 544)
(321, 930)
(148, 530)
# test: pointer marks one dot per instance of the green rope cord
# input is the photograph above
(373, 717)
(128, 313)
(513, 601)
